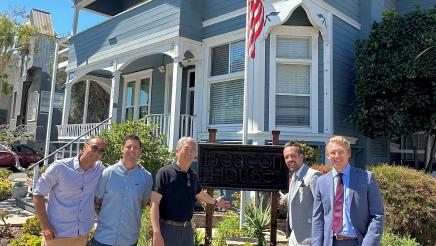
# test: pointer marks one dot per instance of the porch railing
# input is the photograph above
(74, 130)
(186, 125)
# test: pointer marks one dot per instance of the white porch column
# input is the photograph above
(114, 95)
(198, 93)
(75, 19)
(85, 105)
(176, 95)
(67, 103)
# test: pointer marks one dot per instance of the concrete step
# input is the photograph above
(16, 216)
(25, 203)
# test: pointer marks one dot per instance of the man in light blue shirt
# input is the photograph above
(123, 191)
(70, 186)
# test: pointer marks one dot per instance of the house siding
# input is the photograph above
(344, 37)
(226, 26)
(191, 19)
(349, 7)
(214, 8)
(148, 23)
(404, 6)
(43, 52)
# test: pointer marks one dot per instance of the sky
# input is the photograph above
(61, 13)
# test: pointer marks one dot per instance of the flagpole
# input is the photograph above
(245, 110)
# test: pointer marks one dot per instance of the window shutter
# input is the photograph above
(293, 48)
(220, 60)
(226, 102)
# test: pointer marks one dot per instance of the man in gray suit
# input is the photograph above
(300, 196)
(348, 208)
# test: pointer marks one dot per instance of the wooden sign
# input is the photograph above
(242, 167)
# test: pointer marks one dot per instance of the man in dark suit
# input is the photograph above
(348, 207)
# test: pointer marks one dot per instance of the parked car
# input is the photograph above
(26, 156)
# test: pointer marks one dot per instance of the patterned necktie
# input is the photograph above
(339, 203)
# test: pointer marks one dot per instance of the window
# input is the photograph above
(32, 106)
(226, 102)
(144, 94)
(227, 87)
(294, 78)
(137, 95)
(228, 57)
(58, 101)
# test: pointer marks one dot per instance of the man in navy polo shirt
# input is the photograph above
(173, 197)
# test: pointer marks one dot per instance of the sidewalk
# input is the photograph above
(16, 216)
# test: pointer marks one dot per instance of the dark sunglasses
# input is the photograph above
(95, 148)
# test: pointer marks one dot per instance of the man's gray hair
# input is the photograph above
(184, 140)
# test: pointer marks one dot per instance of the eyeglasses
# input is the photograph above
(95, 148)
(188, 181)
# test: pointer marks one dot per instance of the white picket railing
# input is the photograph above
(162, 120)
(74, 130)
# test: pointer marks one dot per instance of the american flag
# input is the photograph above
(255, 24)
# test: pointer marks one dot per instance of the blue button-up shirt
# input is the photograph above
(71, 192)
(347, 226)
(122, 191)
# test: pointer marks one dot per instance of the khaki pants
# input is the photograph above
(65, 241)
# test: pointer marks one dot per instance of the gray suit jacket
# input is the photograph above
(300, 203)
(366, 211)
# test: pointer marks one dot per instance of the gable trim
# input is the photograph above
(321, 3)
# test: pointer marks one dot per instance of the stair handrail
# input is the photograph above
(67, 144)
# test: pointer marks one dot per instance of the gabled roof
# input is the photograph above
(42, 21)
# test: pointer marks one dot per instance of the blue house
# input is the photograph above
(180, 63)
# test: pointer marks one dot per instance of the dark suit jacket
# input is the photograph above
(366, 211)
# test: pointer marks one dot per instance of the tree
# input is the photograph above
(15, 38)
(395, 84)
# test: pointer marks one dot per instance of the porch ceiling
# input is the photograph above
(114, 8)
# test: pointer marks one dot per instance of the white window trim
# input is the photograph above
(295, 32)
(227, 38)
(136, 77)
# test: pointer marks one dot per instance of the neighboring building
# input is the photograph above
(6, 99)
(181, 63)
(31, 93)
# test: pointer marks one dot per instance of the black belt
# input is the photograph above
(176, 223)
(343, 238)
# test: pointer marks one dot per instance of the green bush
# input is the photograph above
(27, 240)
(4, 173)
(391, 239)
(228, 227)
(311, 154)
(32, 226)
(154, 152)
(5, 189)
(410, 202)
(146, 234)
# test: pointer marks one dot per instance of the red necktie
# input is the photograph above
(339, 203)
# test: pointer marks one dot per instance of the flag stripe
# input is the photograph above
(255, 24)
